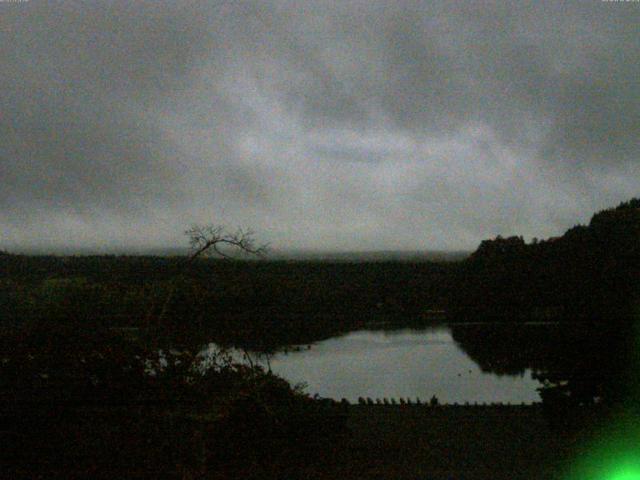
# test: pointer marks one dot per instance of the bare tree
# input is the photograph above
(214, 240)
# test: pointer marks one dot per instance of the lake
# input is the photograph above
(399, 363)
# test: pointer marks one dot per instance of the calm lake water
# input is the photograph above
(399, 363)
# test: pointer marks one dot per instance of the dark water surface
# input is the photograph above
(400, 363)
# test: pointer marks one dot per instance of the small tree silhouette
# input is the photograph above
(217, 240)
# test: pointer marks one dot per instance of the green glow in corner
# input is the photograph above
(614, 454)
(625, 473)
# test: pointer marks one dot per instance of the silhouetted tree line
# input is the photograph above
(590, 272)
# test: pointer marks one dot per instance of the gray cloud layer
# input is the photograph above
(320, 124)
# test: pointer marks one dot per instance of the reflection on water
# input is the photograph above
(400, 363)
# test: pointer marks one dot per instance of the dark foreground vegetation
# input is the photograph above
(100, 373)
(80, 404)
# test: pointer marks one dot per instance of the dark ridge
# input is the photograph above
(589, 272)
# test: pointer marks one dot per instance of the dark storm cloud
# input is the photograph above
(324, 124)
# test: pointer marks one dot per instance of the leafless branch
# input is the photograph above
(215, 239)
(207, 239)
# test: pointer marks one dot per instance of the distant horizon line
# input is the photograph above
(276, 253)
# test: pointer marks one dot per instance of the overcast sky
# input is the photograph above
(333, 125)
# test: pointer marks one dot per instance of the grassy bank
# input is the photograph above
(263, 304)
